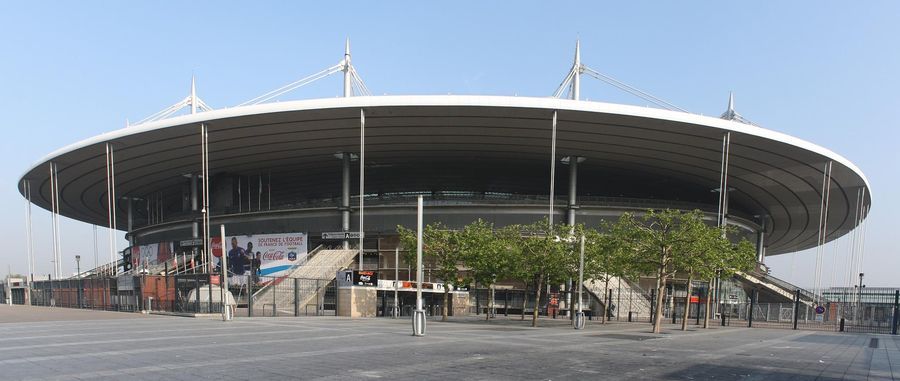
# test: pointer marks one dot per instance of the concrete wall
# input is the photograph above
(460, 304)
(357, 302)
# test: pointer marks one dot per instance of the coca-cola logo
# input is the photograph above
(216, 246)
(273, 256)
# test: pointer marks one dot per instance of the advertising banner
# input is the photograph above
(153, 253)
(365, 278)
(347, 278)
(276, 253)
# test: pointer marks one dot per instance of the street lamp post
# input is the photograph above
(859, 297)
(78, 276)
(419, 313)
(579, 316)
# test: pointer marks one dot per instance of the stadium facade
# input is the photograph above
(357, 164)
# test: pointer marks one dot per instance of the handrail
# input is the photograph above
(309, 255)
(809, 295)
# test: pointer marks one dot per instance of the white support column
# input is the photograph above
(26, 187)
(362, 172)
(111, 203)
(345, 196)
(723, 181)
(204, 169)
(206, 223)
(823, 226)
(54, 218)
(552, 167)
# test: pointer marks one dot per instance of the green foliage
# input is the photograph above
(539, 254)
(486, 253)
(659, 242)
(441, 246)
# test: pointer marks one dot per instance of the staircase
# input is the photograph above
(311, 277)
(628, 297)
(781, 289)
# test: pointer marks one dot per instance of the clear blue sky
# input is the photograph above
(826, 72)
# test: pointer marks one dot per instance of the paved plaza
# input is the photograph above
(39, 343)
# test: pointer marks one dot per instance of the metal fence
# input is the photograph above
(859, 311)
(284, 296)
(101, 293)
(624, 303)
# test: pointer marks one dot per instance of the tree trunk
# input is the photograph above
(537, 301)
(660, 287)
(491, 302)
(524, 298)
(605, 311)
(446, 298)
(709, 294)
(487, 315)
(687, 301)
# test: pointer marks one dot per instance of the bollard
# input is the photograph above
(796, 308)
(842, 325)
(629, 316)
(296, 297)
(578, 321)
(419, 323)
(250, 299)
(752, 305)
(896, 324)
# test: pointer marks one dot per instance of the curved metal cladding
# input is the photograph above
(274, 167)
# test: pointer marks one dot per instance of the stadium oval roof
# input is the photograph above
(773, 176)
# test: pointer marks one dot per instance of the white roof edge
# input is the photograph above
(458, 100)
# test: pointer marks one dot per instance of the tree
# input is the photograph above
(658, 240)
(699, 256)
(538, 256)
(729, 259)
(442, 246)
(606, 258)
(486, 254)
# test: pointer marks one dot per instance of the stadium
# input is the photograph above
(310, 176)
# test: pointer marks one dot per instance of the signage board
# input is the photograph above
(365, 278)
(277, 253)
(196, 242)
(341, 235)
(349, 278)
(125, 283)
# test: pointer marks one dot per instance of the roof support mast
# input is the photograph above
(577, 69)
(193, 99)
(348, 75)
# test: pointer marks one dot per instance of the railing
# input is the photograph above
(806, 295)
(460, 198)
(272, 281)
